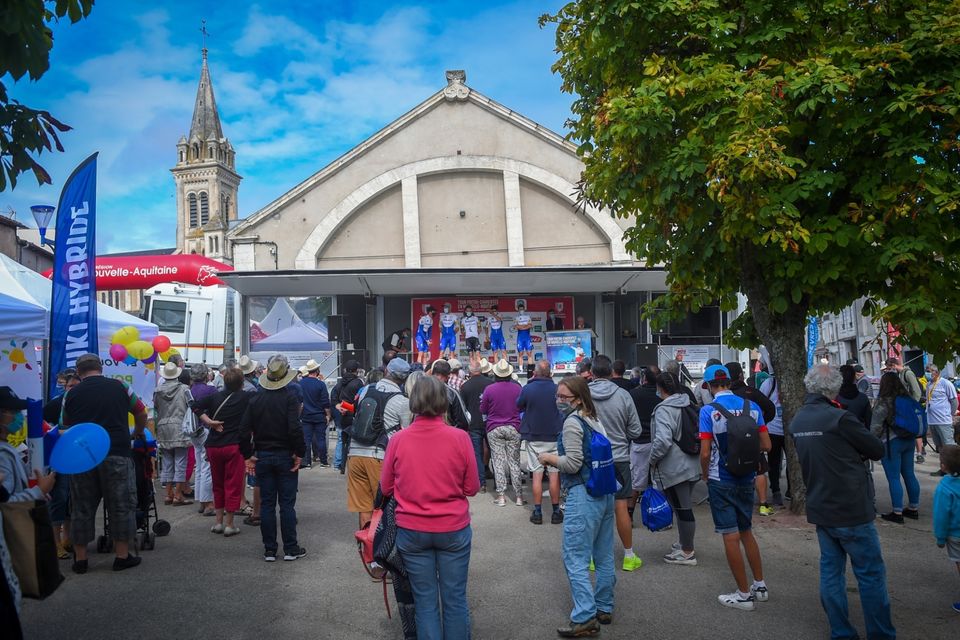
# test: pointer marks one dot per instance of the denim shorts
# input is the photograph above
(731, 506)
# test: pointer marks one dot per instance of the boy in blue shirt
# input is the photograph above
(946, 506)
(731, 496)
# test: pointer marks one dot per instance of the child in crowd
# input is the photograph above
(946, 507)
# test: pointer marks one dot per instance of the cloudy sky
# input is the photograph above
(297, 84)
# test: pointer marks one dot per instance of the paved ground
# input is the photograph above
(197, 585)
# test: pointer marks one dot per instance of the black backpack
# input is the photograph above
(689, 440)
(367, 429)
(743, 440)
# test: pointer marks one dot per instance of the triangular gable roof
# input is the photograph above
(465, 94)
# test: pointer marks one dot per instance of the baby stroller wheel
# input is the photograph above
(104, 544)
(161, 527)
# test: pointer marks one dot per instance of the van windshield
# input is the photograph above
(169, 316)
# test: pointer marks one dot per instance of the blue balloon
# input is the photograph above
(129, 360)
(148, 437)
(80, 448)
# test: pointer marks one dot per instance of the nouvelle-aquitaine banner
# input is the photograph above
(73, 308)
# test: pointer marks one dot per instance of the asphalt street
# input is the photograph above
(199, 585)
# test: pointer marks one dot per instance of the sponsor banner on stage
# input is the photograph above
(565, 349)
(693, 357)
(537, 309)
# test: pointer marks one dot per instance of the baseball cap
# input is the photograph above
(10, 400)
(716, 373)
(858, 368)
(398, 367)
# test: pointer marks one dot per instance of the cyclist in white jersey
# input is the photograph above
(470, 326)
(448, 332)
(425, 335)
(498, 344)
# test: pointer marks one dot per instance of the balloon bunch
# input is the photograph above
(127, 347)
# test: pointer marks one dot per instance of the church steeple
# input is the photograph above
(206, 120)
(207, 182)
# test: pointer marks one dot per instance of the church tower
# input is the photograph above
(206, 179)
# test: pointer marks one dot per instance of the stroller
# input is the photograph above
(144, 453)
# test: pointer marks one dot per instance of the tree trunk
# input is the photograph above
(783, 335)
(784, 339)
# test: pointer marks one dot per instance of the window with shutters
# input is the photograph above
(204, 208)
(192, 200)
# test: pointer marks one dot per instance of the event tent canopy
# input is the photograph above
(29, 309)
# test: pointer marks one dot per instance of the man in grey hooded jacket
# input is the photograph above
(618, 415)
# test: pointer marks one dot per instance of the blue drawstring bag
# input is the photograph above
(655, 511)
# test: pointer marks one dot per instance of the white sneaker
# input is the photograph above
(679, 557)
(500, 501)
(760, 594)
(735, 601)
(217, 528)
(520, 501)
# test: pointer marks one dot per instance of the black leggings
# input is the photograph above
(776, 457)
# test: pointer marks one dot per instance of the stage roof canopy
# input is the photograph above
(491, 281)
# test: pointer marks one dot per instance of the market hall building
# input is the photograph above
(462, 200)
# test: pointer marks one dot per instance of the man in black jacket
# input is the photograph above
(645, 399)
(271, 441)
(769, 411)
(470, 392)
(456, 413)
(832, 445)
(346, 390)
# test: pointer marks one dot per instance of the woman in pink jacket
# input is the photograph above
(430, 469)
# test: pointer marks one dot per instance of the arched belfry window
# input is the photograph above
(192, 200)
(204, 208)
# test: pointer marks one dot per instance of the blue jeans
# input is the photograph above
(588, 533)
(277, 484)
(862, 544)
(437, 565)
(477, 438)
(315, 438)
(898, 461)
(338, 451)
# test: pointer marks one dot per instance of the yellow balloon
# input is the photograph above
(140, 349)
(165, 355)
(125, 335)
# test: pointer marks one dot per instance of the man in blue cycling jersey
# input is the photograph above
(523, 323)
(425, 335)
(448, 332)
(498, 344)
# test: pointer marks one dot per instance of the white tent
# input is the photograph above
(24, 328)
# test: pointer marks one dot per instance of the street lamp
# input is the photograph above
(42, 213)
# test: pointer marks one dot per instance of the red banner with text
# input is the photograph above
(143, 272)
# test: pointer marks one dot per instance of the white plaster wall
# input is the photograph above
(373, 237)
(555, 234)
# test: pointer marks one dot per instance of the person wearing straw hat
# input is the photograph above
(271, 441)
(316, 414)
(171, 402)
(499, 404)
(248, 367)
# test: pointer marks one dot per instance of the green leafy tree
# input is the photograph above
(802, 153)
(25, 43)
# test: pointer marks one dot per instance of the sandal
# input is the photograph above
(253, 521)
(246, 510)
(168, 501)
(210, 512)
(180, 502)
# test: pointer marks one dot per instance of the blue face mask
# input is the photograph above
(929, 376)
(17, 424)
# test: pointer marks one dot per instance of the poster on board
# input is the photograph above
(565, 349)
(537, 308)
(140, 377)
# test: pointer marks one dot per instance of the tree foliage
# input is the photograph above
(803, 153)
(25, 50)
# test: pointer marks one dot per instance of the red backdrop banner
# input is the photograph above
(143, 272)
(537, 307)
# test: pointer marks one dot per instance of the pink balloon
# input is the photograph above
(118, 352)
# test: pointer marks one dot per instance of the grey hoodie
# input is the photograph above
(618, 415)
(669, 465)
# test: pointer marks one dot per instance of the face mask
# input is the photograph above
(550, 315)
(469, 313)
(565, 407)
(446, 309)
(929, 376)
(17, 424)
